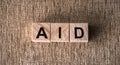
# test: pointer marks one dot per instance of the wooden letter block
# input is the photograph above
(41, 32)
(59, 32)
(78, 32)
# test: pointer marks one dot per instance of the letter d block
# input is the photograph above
(78, 32)
(41, 32)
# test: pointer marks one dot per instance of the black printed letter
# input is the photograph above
(82, 32)
(59, 32)
(41, 34)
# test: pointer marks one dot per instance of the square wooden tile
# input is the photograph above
(41, 32)
(78, 32)
(60, 32)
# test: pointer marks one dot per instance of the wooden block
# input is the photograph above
(59, 32)
(78, 32)
(41, 32)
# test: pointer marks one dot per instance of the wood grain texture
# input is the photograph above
(103, 17)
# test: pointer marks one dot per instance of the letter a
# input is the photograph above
(41, 34)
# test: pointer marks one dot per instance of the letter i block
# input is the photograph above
(78, 32)
(41, 32)
(60, 32)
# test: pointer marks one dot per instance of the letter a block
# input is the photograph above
(78, 32)
(60, 32)
(41, 32)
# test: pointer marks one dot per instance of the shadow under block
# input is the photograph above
(79, 32)
(59, 32)
(41, 32)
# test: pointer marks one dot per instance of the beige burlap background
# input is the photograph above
(103, 17)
